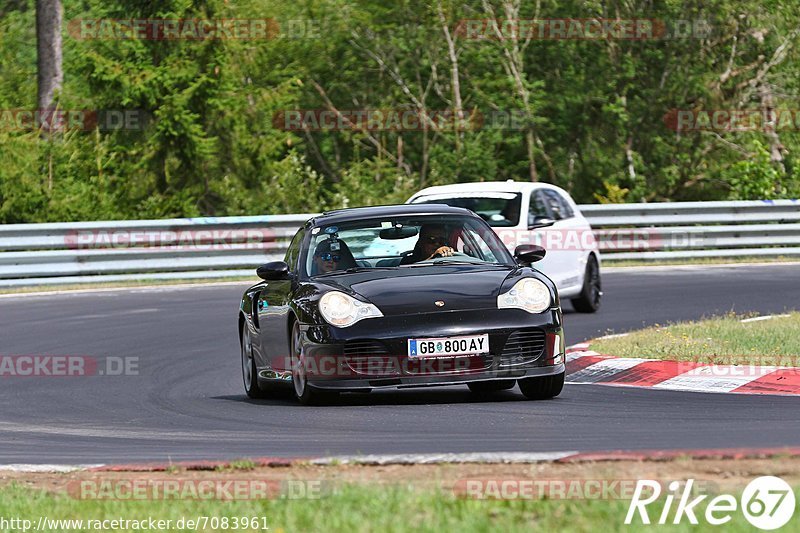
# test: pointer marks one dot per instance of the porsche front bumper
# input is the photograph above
(373, 353)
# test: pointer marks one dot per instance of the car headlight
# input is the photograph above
(341, 310)
(529, 294)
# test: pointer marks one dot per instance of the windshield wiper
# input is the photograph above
(352, 270)
(451, 262)
(362, 268)
(439, 262)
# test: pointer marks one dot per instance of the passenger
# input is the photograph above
(511, 211)
(327, 257)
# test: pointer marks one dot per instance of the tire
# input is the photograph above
(489, 387)
(249, 372)
(588, 301)
(303, 392)
(542, 388)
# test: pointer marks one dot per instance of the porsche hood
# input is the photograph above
(427, 289)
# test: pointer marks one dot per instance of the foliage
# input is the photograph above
(592, 116)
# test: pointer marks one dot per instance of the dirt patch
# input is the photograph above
(728, 475)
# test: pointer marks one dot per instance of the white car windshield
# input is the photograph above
(403, 241)
(499, 209)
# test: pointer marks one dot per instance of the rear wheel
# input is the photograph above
(488, 387)
(588, 301)
(249, 372)
(542, 388)
(304, 393)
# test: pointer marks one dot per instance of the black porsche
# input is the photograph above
(401, 296)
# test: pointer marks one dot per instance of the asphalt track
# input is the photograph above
(187, 401)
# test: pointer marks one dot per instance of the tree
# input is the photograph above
(50, 75)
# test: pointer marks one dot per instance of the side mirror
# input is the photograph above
(275, 270)
(538, 221)
(529, 253)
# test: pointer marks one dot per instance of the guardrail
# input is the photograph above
(110, 251)
(684, 230)
(203, 248)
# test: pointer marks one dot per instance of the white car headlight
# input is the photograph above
(529, 294)
(341, 310)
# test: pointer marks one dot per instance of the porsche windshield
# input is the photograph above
(401, 242)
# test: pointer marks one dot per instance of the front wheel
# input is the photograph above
(588, 301)
(542, 388)
(249, 372)
(304, 393)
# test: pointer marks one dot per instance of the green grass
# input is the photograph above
(239, 465)
(722, 339)
(354, 508)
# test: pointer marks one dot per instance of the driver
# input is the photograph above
(432, 242)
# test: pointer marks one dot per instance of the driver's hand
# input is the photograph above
(443, 251)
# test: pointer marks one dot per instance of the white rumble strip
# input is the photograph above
(47, 469)
(715, 378)
(681, 376)
(604, 369)
(436, 458)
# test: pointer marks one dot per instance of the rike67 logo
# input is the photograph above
(767, 502)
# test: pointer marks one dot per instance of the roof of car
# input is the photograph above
(484, 186)
(357, 213)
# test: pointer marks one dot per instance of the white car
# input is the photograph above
(535, 213)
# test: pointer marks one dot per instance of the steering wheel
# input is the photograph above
(455, 254)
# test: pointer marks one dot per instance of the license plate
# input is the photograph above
(437, 347)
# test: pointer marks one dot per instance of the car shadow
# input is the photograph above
(437, 396)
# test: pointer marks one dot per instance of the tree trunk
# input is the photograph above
(514, 65)
(455, 80)
(48, 51)
(776, 147)
(49, 75)
(533, 174)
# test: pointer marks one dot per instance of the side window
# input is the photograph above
(555, 205)
(293, 252)
(537, 207)
(478, 246)
(565, 209)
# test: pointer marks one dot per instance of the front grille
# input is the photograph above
(364, 348)
(426, 366)
(523, 346)
(370, 357)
